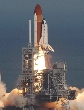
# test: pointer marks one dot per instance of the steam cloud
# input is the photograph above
(78, 103)
(15, 98)
(12, 98)
(2, 93)
(2, 89)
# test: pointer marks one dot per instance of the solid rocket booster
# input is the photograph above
(40, 30)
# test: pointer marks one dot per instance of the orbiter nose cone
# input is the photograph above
(38, 10)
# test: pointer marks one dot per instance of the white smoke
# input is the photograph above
(1, 104)
(12, 98)
(5, 100)
(16, 99)
(2, 89)
(21, 101)
(78, 103)
(2, 93)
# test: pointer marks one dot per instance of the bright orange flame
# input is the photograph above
(39, 61)
(38, 83)
(20, 91)
(39, 65)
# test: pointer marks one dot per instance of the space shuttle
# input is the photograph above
(40, 30)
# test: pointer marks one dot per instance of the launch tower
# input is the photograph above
(42, 85)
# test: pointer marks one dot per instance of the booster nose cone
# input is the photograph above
(38, 10)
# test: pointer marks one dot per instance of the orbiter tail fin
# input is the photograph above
(50, 48)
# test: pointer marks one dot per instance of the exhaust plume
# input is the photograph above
(78, 103)
(2, 89)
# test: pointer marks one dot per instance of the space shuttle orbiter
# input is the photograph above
(40, 30)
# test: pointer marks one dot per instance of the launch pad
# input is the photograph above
(46, 86)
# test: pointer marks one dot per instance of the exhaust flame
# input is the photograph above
(39, 61)
(39, 65)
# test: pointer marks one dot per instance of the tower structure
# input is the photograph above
(26, 79)
(41, 85)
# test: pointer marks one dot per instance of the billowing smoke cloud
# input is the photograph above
(15, 98)
(2, 89)
(1, 104)
(2, 92)
(78, 103)
(5, 100)
(21, 101)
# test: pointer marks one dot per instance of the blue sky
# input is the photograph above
(65, 20)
